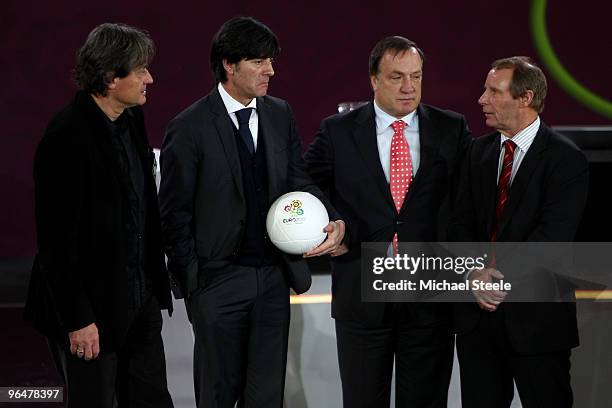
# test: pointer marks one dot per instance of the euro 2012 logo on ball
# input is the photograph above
(295, 222)
(295, 208)
(295, 212)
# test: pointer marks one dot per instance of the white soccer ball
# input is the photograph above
(295, 222)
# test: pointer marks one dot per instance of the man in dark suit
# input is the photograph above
(225, 159)
(99, 279)
(355, 156)
(524, 182)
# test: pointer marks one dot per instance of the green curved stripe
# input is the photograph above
(559, 73)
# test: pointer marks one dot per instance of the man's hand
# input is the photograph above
(342, 249)
(335, 235)
(85, 342)
(487, 299)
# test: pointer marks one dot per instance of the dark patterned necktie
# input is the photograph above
(243, 116)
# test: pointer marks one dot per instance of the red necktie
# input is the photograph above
(400, 170)
(503, 185)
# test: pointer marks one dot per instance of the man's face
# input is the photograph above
(248, 79)
(499, 106)
(397, 87)
(132, 89)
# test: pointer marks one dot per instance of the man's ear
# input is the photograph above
(229, 68)
(374, 82)
(111, 80)
(526, 98)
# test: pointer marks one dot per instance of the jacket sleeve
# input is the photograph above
(299, 178)
(319, 159)
(463, 147)
(565, 198)
(59, 177)
(461, 225)
(179, 165)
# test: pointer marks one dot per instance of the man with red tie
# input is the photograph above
(389, 167)
(524, 182)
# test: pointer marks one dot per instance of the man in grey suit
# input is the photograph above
(224, 160)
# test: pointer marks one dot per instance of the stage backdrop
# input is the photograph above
(324, 61)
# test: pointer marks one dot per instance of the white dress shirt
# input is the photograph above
(233, 106)
(384, 135)
(523, 141)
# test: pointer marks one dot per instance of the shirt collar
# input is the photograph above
(384, 120)
(231, 104)
(120, 123)
(524, 138)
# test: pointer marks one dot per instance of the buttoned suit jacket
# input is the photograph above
(344, 161)
(202, 200)
(545, 204)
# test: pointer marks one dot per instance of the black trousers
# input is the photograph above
(489, 364)
(133, 376)
(423, 364)
(240, 318)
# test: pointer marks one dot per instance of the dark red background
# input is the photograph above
(323, 62)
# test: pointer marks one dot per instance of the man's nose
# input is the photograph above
(269, 69)
(407, 85)
(483, 98)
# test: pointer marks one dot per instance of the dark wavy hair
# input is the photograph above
(111, 50)
(395, 45)
(241, 38)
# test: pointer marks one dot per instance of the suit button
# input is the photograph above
(139, 236)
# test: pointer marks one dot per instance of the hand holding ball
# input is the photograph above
(295, 222)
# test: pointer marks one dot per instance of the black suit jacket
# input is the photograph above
(201, 194)
(344, 160)
(79, 276)
(545, 203)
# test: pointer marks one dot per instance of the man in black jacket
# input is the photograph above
(225, 159)
(390, 167)
(99, 279)
(522, 183)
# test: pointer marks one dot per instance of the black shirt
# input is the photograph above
(133, 184)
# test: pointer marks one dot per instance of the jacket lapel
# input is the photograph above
(95, 122)
(523, 176)
(364, 136)
(272, 142)
(225, 133)
(489, 167)
(145, 152)
(429, 143)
